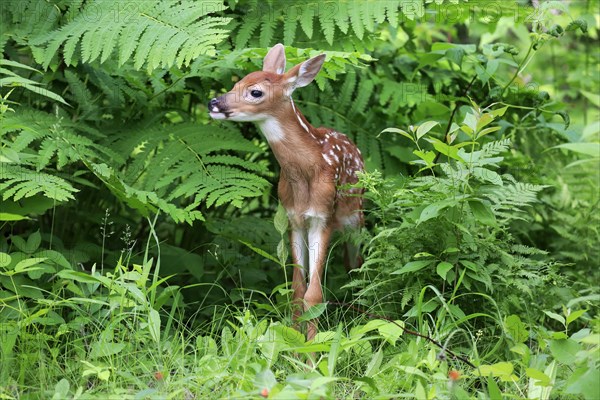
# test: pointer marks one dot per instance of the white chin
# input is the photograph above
(217, 115)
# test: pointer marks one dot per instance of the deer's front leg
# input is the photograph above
(298, 245)
(319, 232)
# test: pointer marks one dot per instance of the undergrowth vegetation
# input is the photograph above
(143, 254)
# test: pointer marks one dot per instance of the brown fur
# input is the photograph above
(314, 162)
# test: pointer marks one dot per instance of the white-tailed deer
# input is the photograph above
(315, 163)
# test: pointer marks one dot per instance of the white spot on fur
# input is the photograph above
(299, 119)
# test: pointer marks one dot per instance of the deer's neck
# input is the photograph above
(291, 137)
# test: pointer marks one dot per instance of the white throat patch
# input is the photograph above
(272, 130)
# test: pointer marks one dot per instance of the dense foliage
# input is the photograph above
(143, 252)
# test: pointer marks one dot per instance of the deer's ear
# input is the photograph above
(275, 60)
(304, 73)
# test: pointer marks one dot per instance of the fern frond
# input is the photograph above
(153, 33)
(17, 182)
(189, 166)
(318, 20)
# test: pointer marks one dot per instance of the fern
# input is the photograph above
(155, 169)
(188, 165)
(152, 33)
(279, 19)
(58, 140)
(17, 182)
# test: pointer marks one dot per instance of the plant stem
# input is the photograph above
(520, 68)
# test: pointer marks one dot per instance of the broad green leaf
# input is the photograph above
(502, 370)
(584, 381)
(455, 55)
(434, 209)
(482, 212)
(427, 156)
(484, 121)
(541, 378)
(499, 111)
(5, 260)
(265, 379)
(447, 149)
(103, 348)
(400, 132)
(487, 131)
(61, 390)
(555, 316)
(25, 265)
(443, 268)
(424, 128)
(589, 149)
(33, 241)
(564, 350)
(493, 389)
(313, 312)
(12, 217)
(391, 331)
(371, 325)
(413, 266)
(281, 220)
(573, 315)
(516, 328)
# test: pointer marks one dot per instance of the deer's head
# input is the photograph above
(264, 94)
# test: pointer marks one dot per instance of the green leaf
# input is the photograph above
(482, 212)
(501, 370)
(154, 325)
(61, 390)
(281, 220)
(585, 381)
(564, 350)
(400, 132)
(443, 268)
(516, 328)
(33, 241)
(493, 389)
(103, 348)
(541, 378)
(12, 217)
(25, 265)
(499, 111)
(455, 55)
(589, 149)
(313, 312)
(413, 266)
(260, 252)
(5, 260)
(265, 379)
(575, 315)
(434, 209)
(555, 316)
(391, 331)
(424, 128)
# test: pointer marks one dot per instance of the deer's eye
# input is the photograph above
(256, 93)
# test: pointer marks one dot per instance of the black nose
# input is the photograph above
(212, 103)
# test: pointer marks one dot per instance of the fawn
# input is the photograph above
(314, 163)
